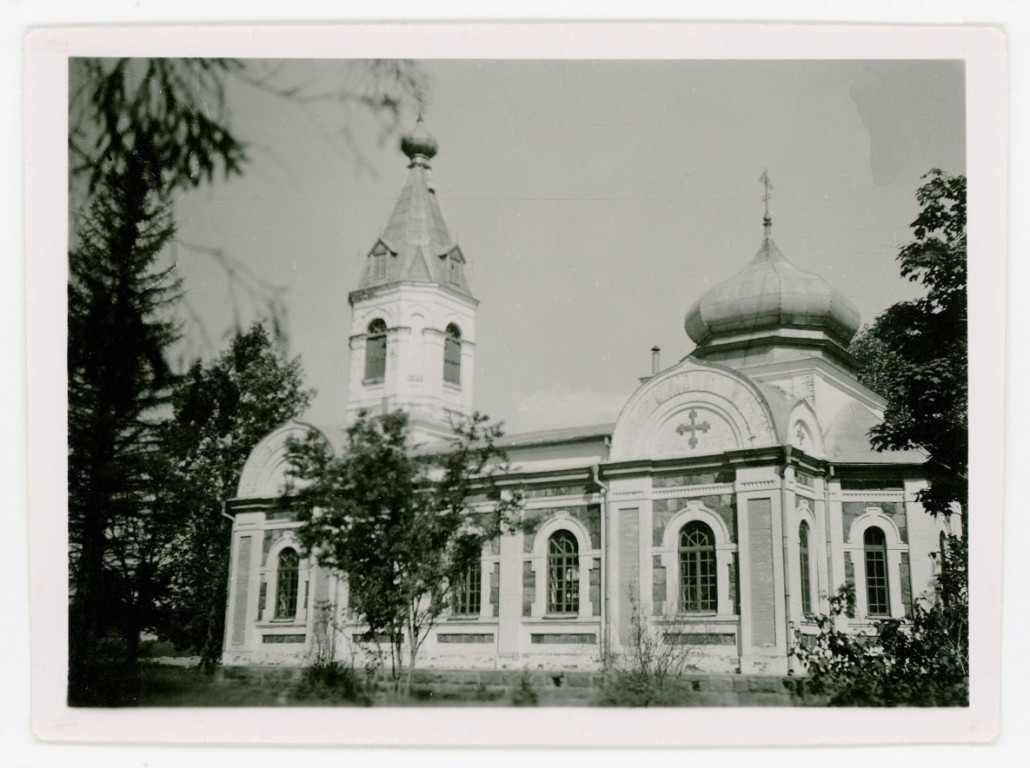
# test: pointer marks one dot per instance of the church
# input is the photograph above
(734, 494)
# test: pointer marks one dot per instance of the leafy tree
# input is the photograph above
(877, 364)
(401, 524)
(925, 379)
(118, 379)
(921, 661)
(222, 410)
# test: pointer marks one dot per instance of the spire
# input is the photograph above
(767, 184)
(416, 245)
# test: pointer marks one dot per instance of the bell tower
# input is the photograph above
(413, 316)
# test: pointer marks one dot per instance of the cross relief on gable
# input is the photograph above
(695, 410)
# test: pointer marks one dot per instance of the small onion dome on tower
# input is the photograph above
(418, 143)
(771, 295)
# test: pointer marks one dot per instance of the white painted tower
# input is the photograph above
(413, 323)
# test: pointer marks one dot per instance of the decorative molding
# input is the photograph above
(745, 486)
(870, 496)
(553, 502)
(683, 491)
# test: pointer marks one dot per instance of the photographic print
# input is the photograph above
(629, 385)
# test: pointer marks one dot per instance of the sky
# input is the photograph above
(594, 200)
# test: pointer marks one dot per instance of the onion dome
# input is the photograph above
(418, 142)
(771, 295)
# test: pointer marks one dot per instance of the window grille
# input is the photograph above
(698, 579)
(466, 594)
(562, 573)
(287, 581)
(876, 585)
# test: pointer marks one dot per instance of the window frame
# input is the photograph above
(698, 569)
(375, 352)
(467, 593)
(563, 574)
(877, 585)
(805, 568)
(452, 355)
(287, 585)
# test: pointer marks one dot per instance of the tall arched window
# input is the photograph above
(876, 585)
(698, 578)
(806, 572)
(452, 355)
(466, 595)
(375, 351)
(287, 580)
(562, 573)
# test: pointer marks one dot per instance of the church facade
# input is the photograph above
(732, 497)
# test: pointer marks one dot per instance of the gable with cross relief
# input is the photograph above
(693, 409)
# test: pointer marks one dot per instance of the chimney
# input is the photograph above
(656, 358)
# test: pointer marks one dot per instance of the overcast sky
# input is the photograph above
(596, 201)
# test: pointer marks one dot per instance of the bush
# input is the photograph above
(525, 694)
(332, 681)
(922, 661)
(648, 673)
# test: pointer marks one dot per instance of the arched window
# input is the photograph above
(698, 592)
(806, 572)
(452, 355)
(375, 351)
(287, 580)
(876, 586)
(562, 573)
(466, 594)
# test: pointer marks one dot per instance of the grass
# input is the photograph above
(157, 685)
(154, 685)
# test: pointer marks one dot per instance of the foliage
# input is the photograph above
(222, 410)
(117, 382)
(167, 114)
(649, 671)
(919, 661)
(925, 344)
(877, 365)
(402, 524)
(525, 695)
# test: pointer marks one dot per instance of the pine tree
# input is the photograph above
(118, 382)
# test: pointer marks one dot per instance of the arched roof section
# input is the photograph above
(694, 408)
(264, 474)
(804, 431)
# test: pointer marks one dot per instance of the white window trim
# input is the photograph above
(270, 576)
(874, 516)
(562, 520)
(669, 554)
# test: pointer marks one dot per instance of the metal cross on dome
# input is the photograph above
(767, 183)
(693, 428)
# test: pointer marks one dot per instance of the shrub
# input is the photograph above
(332, 681)
(918, 661)
(525, 694)
(648, 673)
